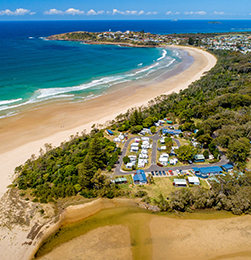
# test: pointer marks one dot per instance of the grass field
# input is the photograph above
(163, 185)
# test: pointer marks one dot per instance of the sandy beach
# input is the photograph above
(24, 134)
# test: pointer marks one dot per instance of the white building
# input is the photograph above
(194, 180)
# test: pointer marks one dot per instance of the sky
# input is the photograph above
(124, 9)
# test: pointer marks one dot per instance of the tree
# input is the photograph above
(239, 150)
(222, 141)
(96, 154)
(186, 152)
(190, 41)
(86, 171)
(186, 115)
(205, 140)
(168, 144)
(148, 122)
(136, 129)
(188, 126)
(153, 129)
(126, 159)
(206, 154)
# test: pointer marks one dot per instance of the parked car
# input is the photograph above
(164, 173)
(152, 173)
(156, 173)
(160, 173)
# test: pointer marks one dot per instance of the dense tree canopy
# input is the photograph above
(67, 169)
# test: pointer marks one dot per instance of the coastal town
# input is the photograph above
(213, 41)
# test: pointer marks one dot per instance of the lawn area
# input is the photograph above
(204, 184)
(248, 165)
(183, 141)
(161, 185)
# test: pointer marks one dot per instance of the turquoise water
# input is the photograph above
(34, 70)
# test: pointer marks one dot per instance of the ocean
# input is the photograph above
(35, 70)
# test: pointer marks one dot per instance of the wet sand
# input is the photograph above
(205, 235)
(24, 134)
(110, 242)
(201, 239)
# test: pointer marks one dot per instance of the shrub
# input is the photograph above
(140, 193)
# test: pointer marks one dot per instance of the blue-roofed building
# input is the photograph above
(139, 177)
(171, 132)
(205, 172)
(227, 167)
(109, 132)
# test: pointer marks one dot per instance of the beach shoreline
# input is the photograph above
(24, 134)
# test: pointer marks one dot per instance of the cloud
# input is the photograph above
(151, 13)
(127, 12)
(19, 11)
(199, 13)
(70, 11)
(116, 11)
(131, 12)
(169, 12)
(220, 13)
(100, 12)
(73, 11)
(92, 12)
(53, 11)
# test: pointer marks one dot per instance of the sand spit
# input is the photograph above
(24, 134)
(21, 235)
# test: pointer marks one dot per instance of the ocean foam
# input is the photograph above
(164, 53)
(44, 93)
(6, 102)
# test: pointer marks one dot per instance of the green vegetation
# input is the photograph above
(186, 152)
(73, 167)
(218, 105)
(232, 193)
